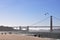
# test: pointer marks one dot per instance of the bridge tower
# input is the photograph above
(20, 28)
(27, 28)
(51, 22)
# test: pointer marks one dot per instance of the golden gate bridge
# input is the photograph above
(51, 33)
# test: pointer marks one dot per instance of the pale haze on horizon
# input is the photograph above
(28, 12)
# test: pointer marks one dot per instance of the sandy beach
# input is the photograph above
(20, 37)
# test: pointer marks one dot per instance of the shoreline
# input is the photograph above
(20, 37)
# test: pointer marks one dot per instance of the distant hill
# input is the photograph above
(4, 28)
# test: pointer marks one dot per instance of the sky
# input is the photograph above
(28, 12)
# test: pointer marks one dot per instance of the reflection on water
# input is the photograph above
(52, 39)
(57, 39)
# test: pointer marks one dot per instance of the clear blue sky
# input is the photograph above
(27, 12)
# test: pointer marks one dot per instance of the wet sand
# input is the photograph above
(20, 37)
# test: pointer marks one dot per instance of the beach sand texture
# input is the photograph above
(19, 37)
